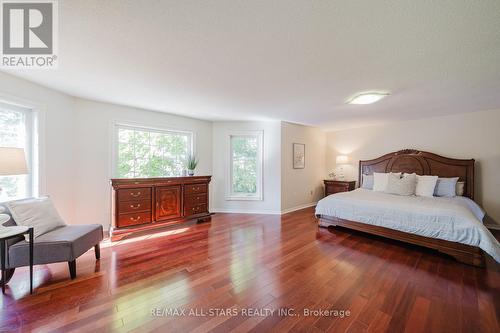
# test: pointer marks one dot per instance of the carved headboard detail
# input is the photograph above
(422, 163)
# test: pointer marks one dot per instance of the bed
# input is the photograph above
(450, 225)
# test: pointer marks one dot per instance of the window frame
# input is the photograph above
(258, 196)
(31, 148)
(130, 126)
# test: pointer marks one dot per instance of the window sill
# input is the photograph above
(243, 198)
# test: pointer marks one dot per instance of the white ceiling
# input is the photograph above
(289, 60)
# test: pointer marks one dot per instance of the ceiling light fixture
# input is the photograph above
(367, 97)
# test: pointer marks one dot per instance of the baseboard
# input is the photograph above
(299, 207)
(268, 212)
(244, 211)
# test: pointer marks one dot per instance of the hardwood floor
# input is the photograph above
(262, 262)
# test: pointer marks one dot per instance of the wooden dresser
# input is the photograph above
(336, 186)
(145, 203)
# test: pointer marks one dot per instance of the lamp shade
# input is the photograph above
(12, 161)
(342, 159)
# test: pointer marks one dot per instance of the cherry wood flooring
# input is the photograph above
(262, 262)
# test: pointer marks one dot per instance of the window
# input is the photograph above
(245, 166)
(145, 152)
(17, 126)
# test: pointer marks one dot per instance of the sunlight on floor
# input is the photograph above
(108, 243)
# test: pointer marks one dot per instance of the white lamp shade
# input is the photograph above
(12, 161)
(342, 159)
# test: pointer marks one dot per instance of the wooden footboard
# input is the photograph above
(464, 253)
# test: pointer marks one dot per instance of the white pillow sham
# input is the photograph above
(38, 213)
(426, 185)
(380, 180)
(401, 186)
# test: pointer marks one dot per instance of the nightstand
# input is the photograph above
(336, 186)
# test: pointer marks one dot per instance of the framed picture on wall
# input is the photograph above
(299, 156)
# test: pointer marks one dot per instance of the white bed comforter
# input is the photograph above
(456, 219)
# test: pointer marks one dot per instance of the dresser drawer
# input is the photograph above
(125, 207)
(336, 186)
(195, 188)
(195, 199)
(331, 189)
(195, 209)
(126, 220)
(134, 194)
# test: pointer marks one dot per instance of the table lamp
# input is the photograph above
(341, 160)
(12, 162)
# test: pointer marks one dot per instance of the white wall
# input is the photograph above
(56, 120)
(271, 202)
(302, 187)
(76, 146)
(94, 151)
(471, 135)
(76, 150)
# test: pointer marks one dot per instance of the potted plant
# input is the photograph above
(192, 162)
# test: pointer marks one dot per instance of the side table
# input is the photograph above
(7, 233)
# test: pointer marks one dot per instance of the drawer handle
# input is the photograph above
(135, 194)
(135, 207)
(135, 219)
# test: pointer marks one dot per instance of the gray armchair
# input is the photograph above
(59, 245)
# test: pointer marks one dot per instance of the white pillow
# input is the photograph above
(401, 186)
(460, 188)
(426, 186)
(38, 213)
(380, 180)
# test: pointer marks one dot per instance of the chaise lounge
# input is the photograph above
(63, 244)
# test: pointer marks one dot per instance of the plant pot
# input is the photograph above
(191, 172)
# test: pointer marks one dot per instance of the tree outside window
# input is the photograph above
(16, 131)
(245, 170)
(146, 153)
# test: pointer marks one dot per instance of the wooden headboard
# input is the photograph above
(422, 163)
